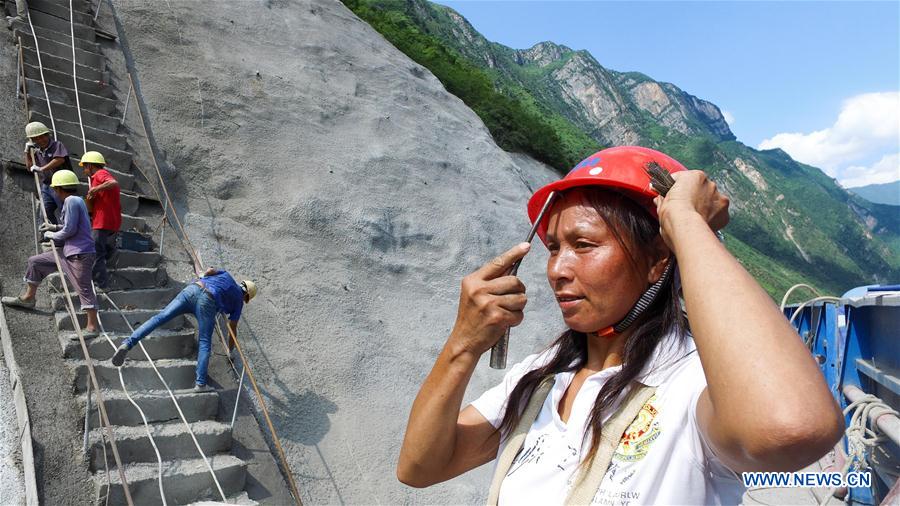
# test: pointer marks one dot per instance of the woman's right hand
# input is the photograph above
(490, 301)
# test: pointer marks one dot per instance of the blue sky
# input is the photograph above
(784, 71)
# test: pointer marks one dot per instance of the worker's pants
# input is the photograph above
(191, 300)
(50, 204)
(105, 244)
(77, 268)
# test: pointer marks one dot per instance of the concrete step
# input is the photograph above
(127, 258)
(128, 300)
(113, 321)
(64, 112)
(61, 37)
(52, 22)
(184, 481)
(104, 137)
(126, 278)
(64, 79)
(157, 406)
(172, 440)
(179, 374)
(66, 95)
(82, 11)
(162, 344)
(135, 224)
(119, 162)
(64, 65)
(64, 50)
(150, 299)
(242, 499)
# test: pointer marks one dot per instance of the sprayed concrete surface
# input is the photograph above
(12, 486)
(309, 154)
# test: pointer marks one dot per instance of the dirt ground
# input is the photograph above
(62, 475)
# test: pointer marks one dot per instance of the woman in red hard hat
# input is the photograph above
(630, 405)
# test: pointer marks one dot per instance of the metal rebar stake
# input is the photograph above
(500, 348)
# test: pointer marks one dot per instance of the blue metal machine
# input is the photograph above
(856, 343)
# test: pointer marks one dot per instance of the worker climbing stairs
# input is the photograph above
(169, 468)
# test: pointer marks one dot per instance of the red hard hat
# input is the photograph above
(622, 168)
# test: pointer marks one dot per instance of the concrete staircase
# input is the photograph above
(140, 286)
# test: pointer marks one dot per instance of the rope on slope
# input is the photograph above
(69, 305)
(192, 252)
(93, 288)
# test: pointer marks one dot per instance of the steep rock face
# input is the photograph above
(542, 54)
(309, 154)
(589, 90)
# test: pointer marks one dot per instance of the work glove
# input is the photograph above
(30, 145)
(35, 168)
(48, 234)
(51, 227)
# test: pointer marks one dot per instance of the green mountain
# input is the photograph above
(887, 193)
(791, 223)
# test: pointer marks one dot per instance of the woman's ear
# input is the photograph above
(659, 260)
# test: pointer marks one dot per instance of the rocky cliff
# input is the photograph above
(612, 106)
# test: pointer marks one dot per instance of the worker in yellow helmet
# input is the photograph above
(77, 253)
(104, 202)
(216, 291)
(45, 155)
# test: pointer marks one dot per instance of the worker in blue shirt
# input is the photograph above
(216, 291)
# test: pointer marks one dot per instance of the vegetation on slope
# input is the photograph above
(514, 118)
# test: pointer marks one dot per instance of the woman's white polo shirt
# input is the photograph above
(662, 458)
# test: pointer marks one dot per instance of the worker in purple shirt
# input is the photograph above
(50, 155)
(216, 291)
(77, 253)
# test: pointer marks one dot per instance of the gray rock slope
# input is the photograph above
(308, 153)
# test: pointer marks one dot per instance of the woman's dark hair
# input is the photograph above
(635, 230)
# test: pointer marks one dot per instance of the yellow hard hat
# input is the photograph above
(249, 288)
(92, 157)
(64, 178)
(36, 129)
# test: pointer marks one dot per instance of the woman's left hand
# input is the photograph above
(692, 193)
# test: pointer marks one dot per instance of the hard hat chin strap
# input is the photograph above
(643, 302)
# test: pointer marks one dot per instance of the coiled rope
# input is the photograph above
(861, 434)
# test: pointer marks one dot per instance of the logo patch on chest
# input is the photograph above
(638, 437)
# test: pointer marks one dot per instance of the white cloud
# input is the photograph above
(729, 118)
(868, 127)
(883, 171)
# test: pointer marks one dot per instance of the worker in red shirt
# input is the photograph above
(106, 209)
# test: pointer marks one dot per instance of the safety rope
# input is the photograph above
(791, 290)
(825, 298)
(861, 434)
(75, 78)
(87, 355)
(150, 360)
(162, 493)
(37, 50)
(171, 396)
(192, 252)
(68, 296)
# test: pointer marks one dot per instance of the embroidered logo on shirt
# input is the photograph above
(638, 437)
